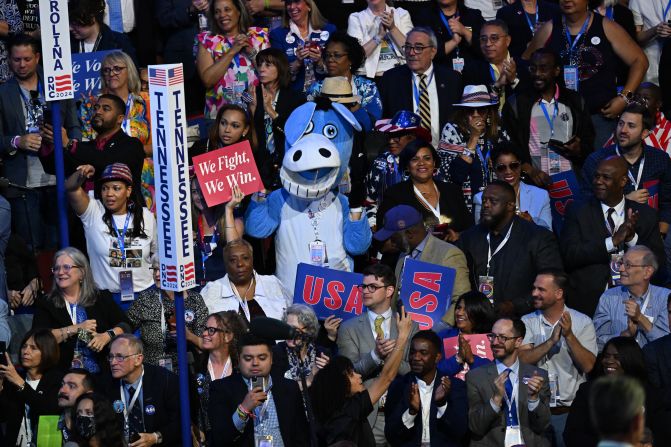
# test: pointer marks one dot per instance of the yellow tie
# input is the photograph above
(424, 103)
(378, 326)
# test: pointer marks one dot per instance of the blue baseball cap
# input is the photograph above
(396, 219)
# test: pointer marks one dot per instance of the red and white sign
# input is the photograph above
(479, 346)
(56, 54)
(218, 171)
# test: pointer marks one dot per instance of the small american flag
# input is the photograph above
(175, 76)
(157, 76)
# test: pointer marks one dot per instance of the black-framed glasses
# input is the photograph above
(65, 267)
(494, 38)
(513, 166)
(492, 336)
(337, 56)
(118, 358)
(628, 265)
(213, 330)
(416, 48)
(115, 69)
(370, 288)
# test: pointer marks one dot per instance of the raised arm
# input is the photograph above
(78, 198)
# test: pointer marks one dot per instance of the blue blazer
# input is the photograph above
(533, 200)
(447, 431)
(13, 123)
(287, 41)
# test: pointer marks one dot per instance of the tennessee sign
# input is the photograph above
(328, 291)
(171, 176)
(218, 171)
(426, 291)
(563, 190)
(56, 55)
(86, 70)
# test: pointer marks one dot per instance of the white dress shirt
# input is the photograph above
(618, 219)
(425, 397)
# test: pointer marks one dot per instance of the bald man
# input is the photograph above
(599, 230)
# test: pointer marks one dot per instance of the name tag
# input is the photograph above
(513, 436)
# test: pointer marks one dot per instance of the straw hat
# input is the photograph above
(477, 96)
(339, 89)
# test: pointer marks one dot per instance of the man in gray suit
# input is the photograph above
(368, 339)
(404, 225)
(508, 400)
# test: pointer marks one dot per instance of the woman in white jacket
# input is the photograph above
(381, 30)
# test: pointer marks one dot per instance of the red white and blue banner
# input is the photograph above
(171, 176)
(564, 189)
(328, 291)
(56, 57)
(426, 291)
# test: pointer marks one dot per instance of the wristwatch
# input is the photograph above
(159, 437)
(111, 333)
(627, 95)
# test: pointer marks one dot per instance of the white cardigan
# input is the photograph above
(363, 26)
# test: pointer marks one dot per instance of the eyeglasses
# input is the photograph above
(115, 69)
(118, 358)
(513, 166)
(65, 267)
(628, 265)
(370, 288)
(492, 336)
(213, 330)
(494, 38)
(417, 48)
(337, 56)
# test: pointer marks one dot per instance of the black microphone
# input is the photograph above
(274, 329)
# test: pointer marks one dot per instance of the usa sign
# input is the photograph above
(426, 291)
(328, 291)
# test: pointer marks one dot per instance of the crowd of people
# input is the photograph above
(523, 144)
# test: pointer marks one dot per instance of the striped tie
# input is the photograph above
(424, 103)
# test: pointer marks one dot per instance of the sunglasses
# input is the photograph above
(513, 166)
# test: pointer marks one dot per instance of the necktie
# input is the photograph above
(611, 222)
(424, 103)
(135, 423)
(511, 413)
(378, 327)
(116, 19)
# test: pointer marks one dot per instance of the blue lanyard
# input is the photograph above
(573, 43)
(526, 16)
(551, 122)
(121, 236)
(416, 90)
(483, 162)
(609, 11)
(492, 72)
(666, 10)
(447, 25)
(27, 100)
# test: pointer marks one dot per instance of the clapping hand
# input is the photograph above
(442, 391)
(535, 384)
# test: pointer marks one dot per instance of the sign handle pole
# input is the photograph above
(183, 363)
(60, 175)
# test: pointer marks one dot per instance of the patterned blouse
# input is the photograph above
(9, 12)
(145, 313)
(241, 73)
(135, 124)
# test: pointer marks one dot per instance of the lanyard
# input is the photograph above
(510, 400)
(228, 368)
(27, 101)
(573, 43)
(666, 10)
(447, 25)
(436, 210)
(609, 11)
(532, 25)
(163, 324)
(416, 90)
(82, 48)
(242, 300)
(644, 306)
(635, 181)
(493, 72)
(128, 408)
(261, 411)
(483, 162)
(551, 122)
(490, 255)
(125, 124)
(72, 311)
(121, 237)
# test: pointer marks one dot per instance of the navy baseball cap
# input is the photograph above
(396, 219)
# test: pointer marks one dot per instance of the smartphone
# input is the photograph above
(3, 350)
(257, 382)
(47, 116)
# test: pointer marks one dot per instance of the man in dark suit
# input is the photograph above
(600, 229)
(22, 106)
(243, 402)
(144, 396)
(508, 400)
(424, 394)
(401, 87)
(505, 252)
(657, 356)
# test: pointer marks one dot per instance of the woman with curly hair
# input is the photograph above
(95, 424)
(220, 346)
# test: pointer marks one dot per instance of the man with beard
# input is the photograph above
(649, 169)
(111, 145)
(508, 399)
(505, 252)
(22, 107)
(560, 340)
(548, 112)
(598, 231)
(425, 407)
(403, 224)
(75, 383)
